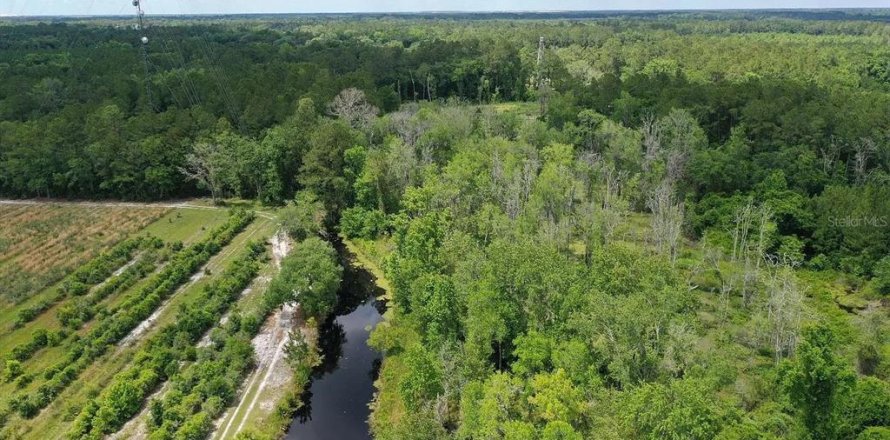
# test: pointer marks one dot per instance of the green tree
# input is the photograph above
(322, 169)
(560, 430)
(310, 276)
(555, 399)
(304, 217)
(680, 409)
(422, 380)
(815, 379)
(866, 403)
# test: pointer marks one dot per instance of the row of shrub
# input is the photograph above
(40, 339)
(81, 280)
(130, 313)
(174, 344)
(201, 392)
(74, 314)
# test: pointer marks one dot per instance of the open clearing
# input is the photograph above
(60, 228)
(41, 243)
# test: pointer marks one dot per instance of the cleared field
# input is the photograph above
(38, 227)
(41, 243)
(187, 224)
(57, 418)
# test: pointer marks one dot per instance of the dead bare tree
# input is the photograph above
(750, 253)
(667, 219)
(352, 107)
(407, 125)
(742, 226)
(830, 155)
(512, 188)
(784, 306)
(679, 352)
(208, 165)
(680, 135)
(651, 141)
(712, 257)
(530, 168)
(764, 222)
(864, 148)
(614, 207)
(403, 164)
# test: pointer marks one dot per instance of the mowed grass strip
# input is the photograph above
(188, 225)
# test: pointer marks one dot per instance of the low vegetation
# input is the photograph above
(40, 244)
(160, 358)
(136, 308)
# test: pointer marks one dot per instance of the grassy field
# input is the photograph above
(56, 419)
(41, 243)
(186, 223)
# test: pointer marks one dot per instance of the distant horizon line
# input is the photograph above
(464, 12)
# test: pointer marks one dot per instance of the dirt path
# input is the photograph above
(144, 326)
(92, 204)
(214, 265)
(270, 372)
(280, 248)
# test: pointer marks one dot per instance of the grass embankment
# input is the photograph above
(371, 255)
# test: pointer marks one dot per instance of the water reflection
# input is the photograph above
(336, 401)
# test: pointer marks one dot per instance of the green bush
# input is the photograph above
(12, 370)
(882, 276)
(875, 433)
(359, 222)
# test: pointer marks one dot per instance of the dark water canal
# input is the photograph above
(336, 400)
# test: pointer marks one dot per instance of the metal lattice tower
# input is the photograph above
(140, 15)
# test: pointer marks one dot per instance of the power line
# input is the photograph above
(140, 15)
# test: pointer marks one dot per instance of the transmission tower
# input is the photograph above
(542, 83)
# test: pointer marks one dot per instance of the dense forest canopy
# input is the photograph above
(655, 225)
(79, 91)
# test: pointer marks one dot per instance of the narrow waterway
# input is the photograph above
(336, 401)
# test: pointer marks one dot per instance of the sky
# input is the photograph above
(119, 7)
